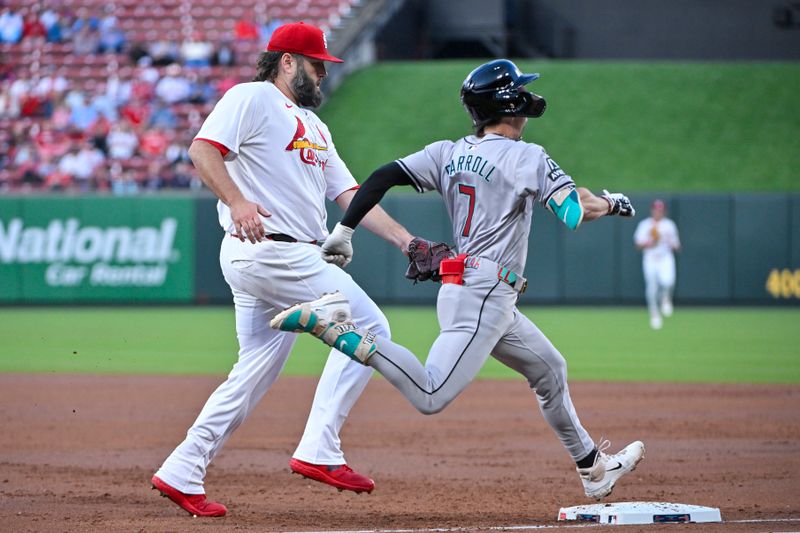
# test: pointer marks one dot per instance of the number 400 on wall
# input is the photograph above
(783, 283)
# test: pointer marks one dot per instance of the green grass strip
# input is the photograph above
(742, 345)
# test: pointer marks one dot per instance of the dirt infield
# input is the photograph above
(76, 454)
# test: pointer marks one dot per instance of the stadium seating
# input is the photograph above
(143, 22)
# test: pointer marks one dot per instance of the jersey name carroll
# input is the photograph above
(471, 163)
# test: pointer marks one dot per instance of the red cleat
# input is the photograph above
(340, 476)
(194, 504)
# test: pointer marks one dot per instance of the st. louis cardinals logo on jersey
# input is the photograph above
(308, 149)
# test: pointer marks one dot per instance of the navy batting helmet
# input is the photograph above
(492, 91)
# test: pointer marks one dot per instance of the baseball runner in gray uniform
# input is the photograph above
(490, 182)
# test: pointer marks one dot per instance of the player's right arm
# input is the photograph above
(238, 116)
(209, 163)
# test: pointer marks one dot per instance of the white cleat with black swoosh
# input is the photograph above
(599, 479)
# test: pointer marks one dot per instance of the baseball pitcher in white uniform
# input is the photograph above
(272, 162)
(490, 182)
(657, 238)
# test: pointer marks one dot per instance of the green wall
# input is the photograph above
(737, 249)
(96, 249)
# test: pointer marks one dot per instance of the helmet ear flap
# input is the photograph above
(533, 104)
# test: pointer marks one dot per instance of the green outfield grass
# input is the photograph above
(658, 126)
(696, 345)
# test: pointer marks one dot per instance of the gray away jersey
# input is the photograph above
(489, 185)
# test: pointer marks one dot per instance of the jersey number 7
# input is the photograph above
(469, 191)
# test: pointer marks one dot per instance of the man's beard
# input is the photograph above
(306, 91)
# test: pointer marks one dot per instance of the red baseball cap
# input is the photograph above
(658, 204)
(301, 38)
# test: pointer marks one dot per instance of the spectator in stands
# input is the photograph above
(51, 20)
(90, 159)
(162, 116)
(153, 178)
(104, 105)
(122, 141)
(45, 170)
(163, 52)
(83, 114)
(178, 150)
(175, 177)
(112, 38)
(85, 20)
(9, 99)
(31, 104)
(196, 51)
(225, 55)
(6, 70)
(118, 89)
(143, 84)
(29, 175)
(85, 40)
(11, 26)
(123, 181)
(51, 142)
(51, 84)
(185, 174)
(136, 112)
(201, 90)
(101, 179)
(80, 164)
(33, 28)
(153, 143)
(173, 87)
(267, 27)
(25, 152)
(98, 134)
(5, 149)
(66, 20)
(61, 114)
(69, 163)
(245, 30)
(138, 51)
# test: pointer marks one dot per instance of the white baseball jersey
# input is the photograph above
(282, 157)
(290, 164)
(489, 185)
(663, 233)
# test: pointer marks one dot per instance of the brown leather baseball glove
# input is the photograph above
(424, 257)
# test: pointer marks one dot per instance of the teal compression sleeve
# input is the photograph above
(566, 205)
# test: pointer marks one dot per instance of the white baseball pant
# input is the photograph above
(659, 281)
(266, 278)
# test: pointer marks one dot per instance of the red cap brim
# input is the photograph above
(324, 57)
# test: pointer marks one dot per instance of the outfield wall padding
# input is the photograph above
(737, 249)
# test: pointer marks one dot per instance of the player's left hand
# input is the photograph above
(424, 258)
(618, 204)
(337, 248)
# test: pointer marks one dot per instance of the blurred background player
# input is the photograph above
(657, 238)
